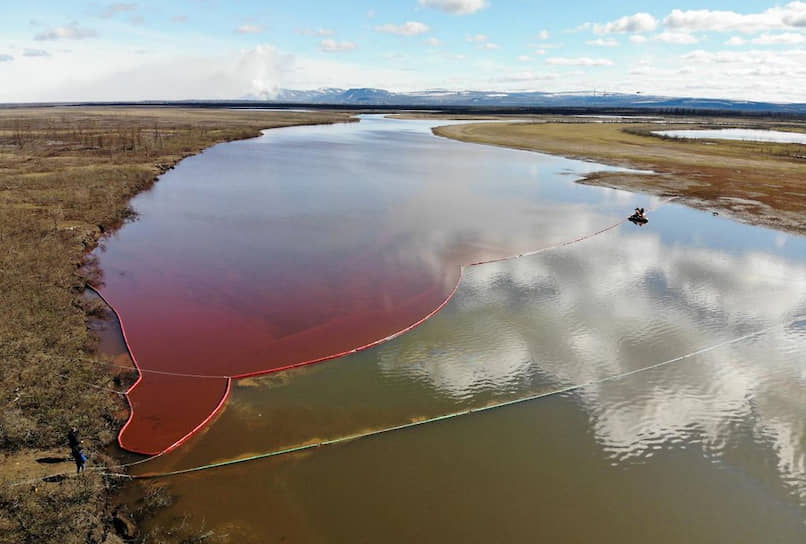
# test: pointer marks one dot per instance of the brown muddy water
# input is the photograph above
(710, 448)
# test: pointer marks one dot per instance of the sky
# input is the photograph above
(68, 50)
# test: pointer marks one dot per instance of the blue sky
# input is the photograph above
(131, 50)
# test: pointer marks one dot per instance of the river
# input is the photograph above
(313, 240)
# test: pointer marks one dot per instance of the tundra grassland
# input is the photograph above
(67, 175)
(754, 182)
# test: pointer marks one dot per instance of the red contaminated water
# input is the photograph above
(296, 247)
(308, 321)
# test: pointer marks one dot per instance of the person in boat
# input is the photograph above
(639, 217)
(640, 213)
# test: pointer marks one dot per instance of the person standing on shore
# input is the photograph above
(72, 438)
(80, 459)
(75, 449)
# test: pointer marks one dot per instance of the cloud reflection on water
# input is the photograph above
(622, 302)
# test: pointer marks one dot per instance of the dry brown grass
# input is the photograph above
(758, 183)
(66, 176)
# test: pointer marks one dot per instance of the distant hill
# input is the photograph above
(441, 98)
(479, 101)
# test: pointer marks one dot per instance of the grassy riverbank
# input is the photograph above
(754, 182)
(66, 177)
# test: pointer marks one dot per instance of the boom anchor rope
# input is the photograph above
(348, 438)
(454, 415)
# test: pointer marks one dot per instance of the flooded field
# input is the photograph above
(258, 254)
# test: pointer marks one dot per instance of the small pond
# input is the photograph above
(775, 136)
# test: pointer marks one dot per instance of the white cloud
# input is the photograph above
(735, 57)
(524, 58)
(603, 42)
(433, 42)
(681, 38)
(179, 19)
(409, 28)
(456, 7)
(792, 15)
(543, 35)
(707, 57)
(522, 77)
(639, 22)
(548, 45)
(35, 53)
(371, 14)
(6, 58)
(321, 32)
(578, 61)
(798, 19)
(761, 73)
(482, 40)
(249, 28)
(779, 83)
(477, 38)
(69, 32)
(646, 71)
(109, 11)
(787, 38)
(736, 41)
(332, 46)
(118, 73)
